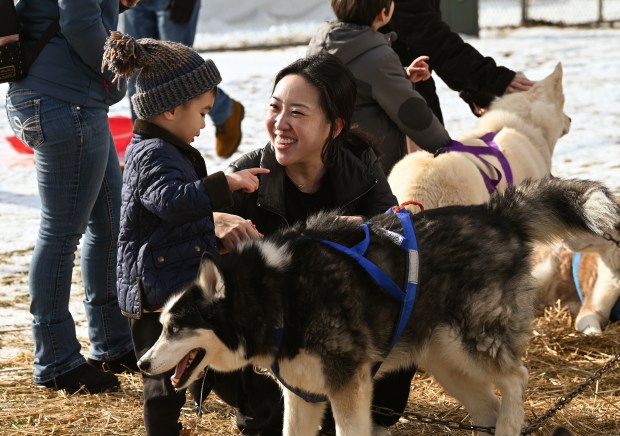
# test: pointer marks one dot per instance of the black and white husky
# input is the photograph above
(469, 327)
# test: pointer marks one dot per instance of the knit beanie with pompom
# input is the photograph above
(170, 73)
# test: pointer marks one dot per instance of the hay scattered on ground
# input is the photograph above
(559, 359)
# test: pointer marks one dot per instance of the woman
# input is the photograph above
(60, 110)
(316, 161)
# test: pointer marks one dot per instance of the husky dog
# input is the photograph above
(527, 127)
(596, 271)
(469, 326)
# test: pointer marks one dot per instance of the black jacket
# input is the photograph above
(358, 183)
(421, 31)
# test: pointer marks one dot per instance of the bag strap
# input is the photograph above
(33, 52)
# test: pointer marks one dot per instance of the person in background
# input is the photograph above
(177, 20)
(317, 159)
(387, 105)
(60, 110)
(168, 198)
(477, 78)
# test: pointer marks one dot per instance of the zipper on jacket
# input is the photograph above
(268, 209)
(362, 194)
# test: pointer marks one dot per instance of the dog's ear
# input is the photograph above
(210, 278)
(550, 88)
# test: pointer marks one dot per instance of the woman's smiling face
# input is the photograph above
(296, 123)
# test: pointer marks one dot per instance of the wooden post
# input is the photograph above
(525, 13)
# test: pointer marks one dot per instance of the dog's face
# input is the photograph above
(188, 340)
(542, 105)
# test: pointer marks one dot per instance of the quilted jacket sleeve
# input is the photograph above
(164, 190)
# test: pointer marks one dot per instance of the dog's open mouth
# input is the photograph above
(186, 366)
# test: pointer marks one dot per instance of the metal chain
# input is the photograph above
(611, 239)
(569, 397)
(428, 420)
(563, 401)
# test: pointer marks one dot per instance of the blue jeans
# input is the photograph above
(79, 181)
(149, 19)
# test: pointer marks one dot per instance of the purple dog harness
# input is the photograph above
(492, 150)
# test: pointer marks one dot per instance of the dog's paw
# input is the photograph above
(589, 325)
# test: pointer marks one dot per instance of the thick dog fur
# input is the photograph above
(598, 275)
(469, 328)
(528, 126)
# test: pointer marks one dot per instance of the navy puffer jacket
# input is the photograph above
(166, 218)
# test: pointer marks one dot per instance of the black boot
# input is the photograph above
(127, 362)
(84, 379)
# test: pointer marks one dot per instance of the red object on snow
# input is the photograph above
(122, 132)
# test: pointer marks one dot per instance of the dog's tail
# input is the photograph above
(552, 208)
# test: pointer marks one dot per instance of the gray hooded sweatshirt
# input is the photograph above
(387, 106)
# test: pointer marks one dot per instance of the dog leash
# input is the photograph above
(493, 150)
(615, 312)
(407, 242)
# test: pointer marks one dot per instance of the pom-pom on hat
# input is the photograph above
(170, 73)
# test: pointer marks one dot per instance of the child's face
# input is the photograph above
(189, 118)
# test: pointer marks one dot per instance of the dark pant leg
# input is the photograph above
(256, 396)
(162, 404)
(392, 392)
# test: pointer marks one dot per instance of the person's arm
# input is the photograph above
(81, 24)
(421, 31)
(392, 90)
(231, 229)
(163, 190)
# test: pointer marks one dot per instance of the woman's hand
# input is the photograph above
(519, 83)
(418, 70)
(246, 180)
(231, 229)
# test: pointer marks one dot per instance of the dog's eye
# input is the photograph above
(173, 330)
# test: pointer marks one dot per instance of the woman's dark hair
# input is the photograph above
(337, 94)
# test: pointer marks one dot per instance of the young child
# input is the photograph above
(387, 105)
(167, 198)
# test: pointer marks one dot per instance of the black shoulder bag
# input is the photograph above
(15, 57)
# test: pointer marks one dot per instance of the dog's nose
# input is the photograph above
(144, 365)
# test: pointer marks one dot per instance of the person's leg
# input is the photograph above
(226, 115)
(222, 108)
(185, 33)
(68, 186)
(141, 21)
(258, 398)
(392, 392)
(162, 403)
(108, 329)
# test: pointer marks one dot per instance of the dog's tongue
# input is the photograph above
(179, 369)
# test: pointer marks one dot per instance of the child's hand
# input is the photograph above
(418, 70)
(247, 180)
(232, 229)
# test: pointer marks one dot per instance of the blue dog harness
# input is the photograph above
(407, 242)
(615, 312)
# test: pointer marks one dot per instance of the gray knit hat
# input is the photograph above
(170, 73)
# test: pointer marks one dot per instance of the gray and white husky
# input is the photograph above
(469, 327)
